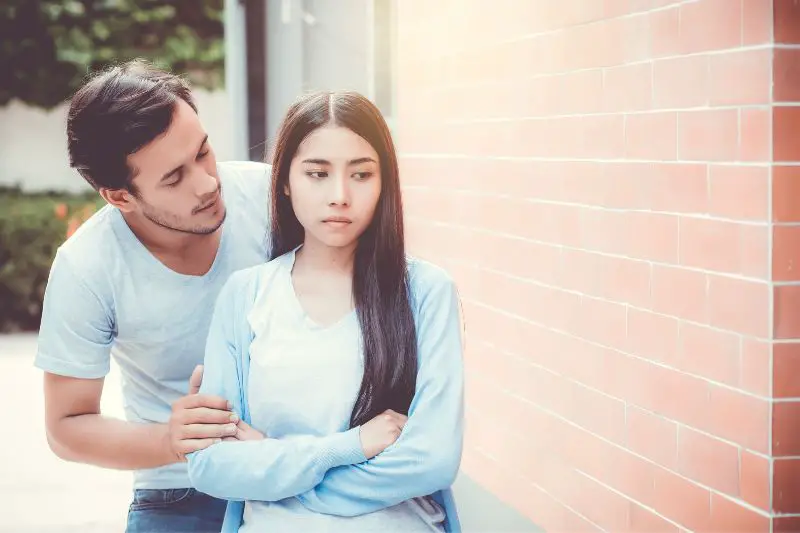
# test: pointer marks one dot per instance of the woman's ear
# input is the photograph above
(286, 189)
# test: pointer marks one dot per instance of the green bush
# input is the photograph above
(47, 47)
(32, 227)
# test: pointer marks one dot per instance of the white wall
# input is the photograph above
(33, 151)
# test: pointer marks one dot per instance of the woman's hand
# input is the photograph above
(245, 431)
(381, 432)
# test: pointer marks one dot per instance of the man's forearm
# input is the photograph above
(111, 443)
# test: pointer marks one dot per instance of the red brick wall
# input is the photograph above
(598, 176)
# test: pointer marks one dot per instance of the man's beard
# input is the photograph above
(156, 218)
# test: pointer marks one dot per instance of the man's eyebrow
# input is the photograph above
(176, 169)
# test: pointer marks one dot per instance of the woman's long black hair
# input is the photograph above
(380, 274)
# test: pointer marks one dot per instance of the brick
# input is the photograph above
(756, 374)
(786, 490)
(786, 21)
(728, 515)
(785, 194)
(628, 88)
(739, 418)
(754, 251)
(739, 193)
(786, 524)
(709, 135)
(652, 436)
(680, 292)
(597, 503)
(620, 279)
(603, 322)
(786, 75)
(665, 32)
(785, 369)
(642, 520)
(623, 185)
(636, 32)
(576, 92)
(709, 353)
(709, 461)
(757, 22)
(680, 188)
(652, 136)
(681, 501)
(738, 305)
(785, 243)
(643, 327)
(755, 479)
(651, 236)
(785, 437)
(710, 25)
(603, 136)
(786, 317)
(755, 126)
(624, 472)
(710, 244)
(670, 87)
(670, 393)
(785, 132)
(740, 77)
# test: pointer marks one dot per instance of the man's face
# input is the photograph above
(177, 186)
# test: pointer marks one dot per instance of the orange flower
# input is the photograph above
(60, 211)
(72, 226)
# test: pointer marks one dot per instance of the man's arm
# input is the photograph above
(77, 431)
(75, 339)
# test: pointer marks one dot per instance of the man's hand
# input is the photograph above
(381, 432)
(199, 420)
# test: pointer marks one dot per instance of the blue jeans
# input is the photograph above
(174, 511)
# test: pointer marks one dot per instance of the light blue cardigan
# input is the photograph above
(330, 474)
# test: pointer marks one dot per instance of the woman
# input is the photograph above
(342, 354)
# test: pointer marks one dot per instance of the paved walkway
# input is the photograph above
(39, 492)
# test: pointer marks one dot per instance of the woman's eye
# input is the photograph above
(362, 175)
(317, 174)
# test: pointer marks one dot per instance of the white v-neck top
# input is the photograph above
(304, 381)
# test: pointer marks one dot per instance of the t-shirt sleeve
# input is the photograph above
(76, 331)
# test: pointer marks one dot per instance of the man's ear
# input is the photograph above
(119, 198)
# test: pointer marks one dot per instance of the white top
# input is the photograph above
(304, 381)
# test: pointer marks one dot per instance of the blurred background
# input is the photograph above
(612, 183)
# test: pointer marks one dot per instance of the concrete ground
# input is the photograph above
(40, 492)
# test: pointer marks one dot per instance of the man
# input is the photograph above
(139, 281)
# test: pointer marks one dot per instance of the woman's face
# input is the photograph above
(334, 186)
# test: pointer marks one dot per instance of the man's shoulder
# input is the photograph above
(246, 176)
(92, 245)
(245, 186)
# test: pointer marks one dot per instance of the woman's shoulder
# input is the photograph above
(425, 277)
(249, 283)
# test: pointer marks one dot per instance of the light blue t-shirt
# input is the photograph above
(108, 296)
